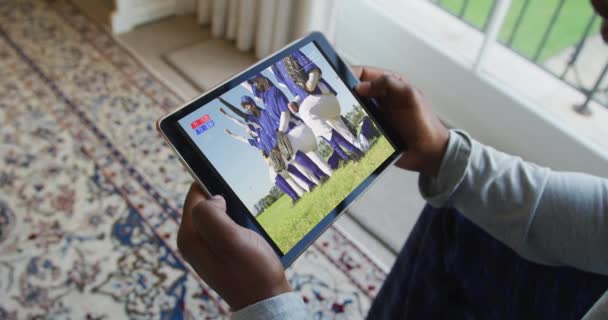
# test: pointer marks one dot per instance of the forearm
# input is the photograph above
(284, 121)
(239, 138)
(313, 79)
(284, 306)
(232, 108)
(237, 121)
(548, 217)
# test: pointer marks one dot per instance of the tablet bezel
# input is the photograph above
(205, 174)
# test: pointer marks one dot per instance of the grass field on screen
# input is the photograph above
(287, 223)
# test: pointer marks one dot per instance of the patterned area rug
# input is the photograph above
(90, 198)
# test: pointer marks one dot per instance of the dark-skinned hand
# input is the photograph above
(236, 262)
(405, 109)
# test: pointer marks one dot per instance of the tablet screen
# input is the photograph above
(291, 141)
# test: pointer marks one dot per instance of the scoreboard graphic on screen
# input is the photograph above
(202, 124)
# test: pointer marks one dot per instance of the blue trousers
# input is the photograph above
(297, 173)
(305, 161)
(337, 142)
(451, 269)
(282, 184)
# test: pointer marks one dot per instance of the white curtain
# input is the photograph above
(262, 25)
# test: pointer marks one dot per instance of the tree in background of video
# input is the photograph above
(273, 194)
(351, 120)
(354, 117)
(324, 149)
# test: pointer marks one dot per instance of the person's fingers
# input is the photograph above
(194, 196)
(214, 225)
(218, 202)
(363, 88)
(357, 71)
(383, 86)
(366, 73)
(376, 88)
(188, 240)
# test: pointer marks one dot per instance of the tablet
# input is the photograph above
(286, 142)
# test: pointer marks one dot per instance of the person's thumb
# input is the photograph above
(213, 223)
(218, 202)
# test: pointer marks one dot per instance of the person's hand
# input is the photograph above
(404, 108)
(236, 262)
(293, 107)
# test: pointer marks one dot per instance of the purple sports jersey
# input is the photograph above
(258, 144)
(261, 142)
(266, 129)
(269, 118)
(274, 99)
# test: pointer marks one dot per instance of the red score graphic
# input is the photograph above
(200, 121)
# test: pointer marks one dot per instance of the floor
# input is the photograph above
(191, 62)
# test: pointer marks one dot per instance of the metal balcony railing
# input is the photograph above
(539, 30)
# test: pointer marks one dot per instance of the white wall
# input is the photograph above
(312, 15)
(131, 13)
(492, 113)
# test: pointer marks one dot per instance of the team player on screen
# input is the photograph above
(286, 131)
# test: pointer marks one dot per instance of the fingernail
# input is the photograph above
(363, 86)
(218, 201)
